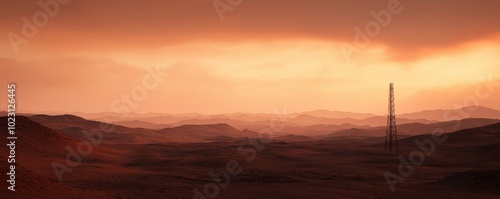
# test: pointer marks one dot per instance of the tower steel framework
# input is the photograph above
(391, 134)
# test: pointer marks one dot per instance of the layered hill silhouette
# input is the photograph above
(168, 162)
(337, 114)
(371, 121)
(481, 138)
(448, 126)
(348, 131)
(453, 114)
(190, 133)
(73, 126)
(204, 130)
(255, 122)
(485, 136)
(142, 124)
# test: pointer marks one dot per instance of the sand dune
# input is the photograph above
(37, 146)
(34, 136)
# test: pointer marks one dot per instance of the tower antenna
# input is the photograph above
(391, 134)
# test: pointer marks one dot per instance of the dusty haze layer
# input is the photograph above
(263, 55)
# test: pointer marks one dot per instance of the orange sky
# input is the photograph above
(264, 55)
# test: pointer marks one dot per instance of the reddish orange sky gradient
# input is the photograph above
(264, 55)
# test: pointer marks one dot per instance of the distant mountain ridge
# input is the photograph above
(449, 114)
(320, 116)
(371, 121)
(44, 130)
(203, 132)
(338, 114)
(310, 123)
(73, 126)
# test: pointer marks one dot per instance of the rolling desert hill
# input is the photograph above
(319, 129)
(409, 129)
(244, 117)
(142, 124)
(159, 119)
(294, 138)
(29, 184)
(447, 127)
(157, 124)
(454, 114)
(201, 133)
(33, 140)
(307, 120)
(337, 114)
(352, 132)
(37, 147)
(73, 126)
(207, 121)
(33, 136)
(482, 137)
(486, 135)
(204, 130)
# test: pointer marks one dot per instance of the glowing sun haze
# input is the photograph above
(264, 55)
